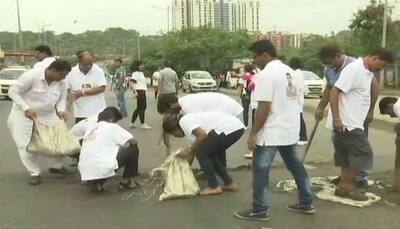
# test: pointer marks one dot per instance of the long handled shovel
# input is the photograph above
(310, 139)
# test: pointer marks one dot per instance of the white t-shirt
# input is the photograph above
(90, 105)
(98, 158)
(140, 81)
(396, 108)
(299, 78)
(355, 100)
(44, 63)
(218, 121)
(84, 126)
(156, 78)
(275, 84)
(209, 101)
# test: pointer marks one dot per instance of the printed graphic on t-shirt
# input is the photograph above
(291, 90)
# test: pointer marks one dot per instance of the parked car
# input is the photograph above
(8, 77)
(314, 83)
(196, 81)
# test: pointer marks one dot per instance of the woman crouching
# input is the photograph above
(211, 134)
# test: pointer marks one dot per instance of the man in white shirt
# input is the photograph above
(297, 65)
(86, 85)
(39, 94)
(350, 102)
(106, 148)
(211, 134)
(44, 56)
(199, 102)
(156, 78)
(276, 128)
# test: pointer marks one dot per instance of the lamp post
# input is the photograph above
(21, 41)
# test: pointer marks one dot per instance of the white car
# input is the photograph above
(8, 76)
(314, 84)
(196, 81)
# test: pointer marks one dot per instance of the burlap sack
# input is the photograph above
(179, 179)
(53, 141)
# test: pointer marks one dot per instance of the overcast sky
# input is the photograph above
(309, 16)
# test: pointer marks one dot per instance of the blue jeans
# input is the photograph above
(121, 102)
(263, 156)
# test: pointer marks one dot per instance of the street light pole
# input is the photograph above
(21, 41)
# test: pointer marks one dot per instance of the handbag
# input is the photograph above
(53, 140)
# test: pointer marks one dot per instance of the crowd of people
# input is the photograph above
(272, 90)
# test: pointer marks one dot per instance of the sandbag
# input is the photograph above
(53, 141)
(178, 177)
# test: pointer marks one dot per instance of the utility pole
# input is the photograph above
(384, 33)
(21, 41)
(168, 19)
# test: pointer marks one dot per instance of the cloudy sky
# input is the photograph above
(147, 16)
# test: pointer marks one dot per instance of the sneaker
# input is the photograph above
(306, 209)
(252, 215)
(144, 126)
(302, 143)
(34, 180)
(361, 185)
(60, 171)
(132, 125)
(249, 155)
(352, 194)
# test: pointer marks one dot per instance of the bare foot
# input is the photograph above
(230, 187)
(211, 191)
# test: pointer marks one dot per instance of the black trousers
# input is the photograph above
(129, 159)
(211, 154)
(303, 129)
(246, 104)
(141, 107)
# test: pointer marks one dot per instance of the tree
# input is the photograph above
(204, 48)
(367, 26)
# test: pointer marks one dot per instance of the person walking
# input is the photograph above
(276, 128)
(119, 86)
(297, 65)
(139, 86)
(156, 78)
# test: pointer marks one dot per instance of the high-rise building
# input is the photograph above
(231, 15)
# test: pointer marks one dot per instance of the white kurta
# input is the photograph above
(31, 91)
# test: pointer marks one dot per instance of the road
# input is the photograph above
(63, 202)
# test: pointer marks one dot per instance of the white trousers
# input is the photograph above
(21, 131)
